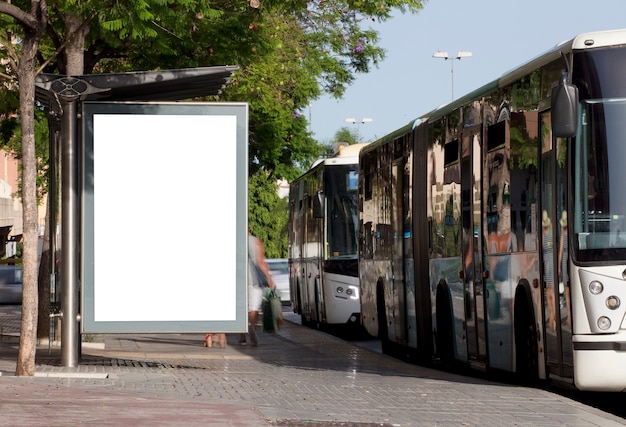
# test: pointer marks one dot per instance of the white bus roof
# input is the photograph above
(582, 41)
(599, 39)
(347, 154)
(350, 150)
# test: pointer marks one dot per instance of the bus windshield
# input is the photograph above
(599, 176)
(340, 189)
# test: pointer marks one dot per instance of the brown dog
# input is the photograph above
(220, 340)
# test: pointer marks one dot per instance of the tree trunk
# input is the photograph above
(28, 332)
(76, 30)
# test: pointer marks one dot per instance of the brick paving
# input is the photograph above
(296, 377)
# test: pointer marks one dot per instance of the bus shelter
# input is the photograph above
(64, 97)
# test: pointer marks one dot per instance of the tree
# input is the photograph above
(267, 214)
(277, 86)
(287, 50)
(317, 45)
(23, 60)
(24, 33)
(346, 135)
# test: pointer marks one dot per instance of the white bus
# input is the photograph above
(323, 220)
(492, 230)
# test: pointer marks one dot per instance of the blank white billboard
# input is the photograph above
(165, 217)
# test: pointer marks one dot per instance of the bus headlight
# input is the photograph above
(353, 292)
(604, 323)
(613, 302)
(596, 287)
(349, 292)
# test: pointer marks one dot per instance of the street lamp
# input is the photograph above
(355, 122)
(444, 55)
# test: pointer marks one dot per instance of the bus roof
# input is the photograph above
(582, 41)
(350, 150)
(346, 154)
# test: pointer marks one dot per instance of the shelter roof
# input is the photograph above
(160, 85)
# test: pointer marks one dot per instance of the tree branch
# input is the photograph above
(23, 18)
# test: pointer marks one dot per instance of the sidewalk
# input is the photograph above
(295, 377)
(152, 379)
(119, 381)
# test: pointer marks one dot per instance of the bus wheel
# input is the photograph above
(316, 322)
(527, 363)
(383, 330)
(444, 337)
(303, 320)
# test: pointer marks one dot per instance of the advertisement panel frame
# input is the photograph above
(164, 217)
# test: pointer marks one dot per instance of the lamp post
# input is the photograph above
(357, 123)
(444, 55)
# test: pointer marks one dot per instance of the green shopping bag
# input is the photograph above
(272, 312)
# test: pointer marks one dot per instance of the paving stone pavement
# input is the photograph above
(297, 376)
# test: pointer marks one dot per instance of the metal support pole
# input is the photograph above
(70, 339)
(52, 213)
(459, 55)
(452, 74)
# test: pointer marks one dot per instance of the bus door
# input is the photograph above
(317, 255)
(303, 267)
(473, 283)
(311, 258)
(553, 238)
(298, 247)
(397, 255)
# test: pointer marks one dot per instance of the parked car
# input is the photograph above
(279, 269)
(10, 284)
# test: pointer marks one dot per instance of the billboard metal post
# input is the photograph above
(70, 339)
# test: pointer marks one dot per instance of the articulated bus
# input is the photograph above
(323, 254)
(492, 231)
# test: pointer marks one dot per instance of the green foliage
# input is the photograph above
(523, 147)
(342, 137)
(277, 86)
(10, 140)
(268, 214)
(9, 124)
(289, 51)
(339, 40)
(346, 135)
(175, 35)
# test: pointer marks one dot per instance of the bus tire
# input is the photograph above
(444, 338)
(303, 319)
(316, 322)
(526, 348)
(383, 329)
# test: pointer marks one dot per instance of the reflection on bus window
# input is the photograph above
(341, 187)
(600, 209)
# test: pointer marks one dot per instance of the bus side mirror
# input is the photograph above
(318, 205)
(564, 109)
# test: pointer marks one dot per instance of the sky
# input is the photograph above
(409, 82)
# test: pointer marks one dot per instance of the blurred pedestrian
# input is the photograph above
(259, 279)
